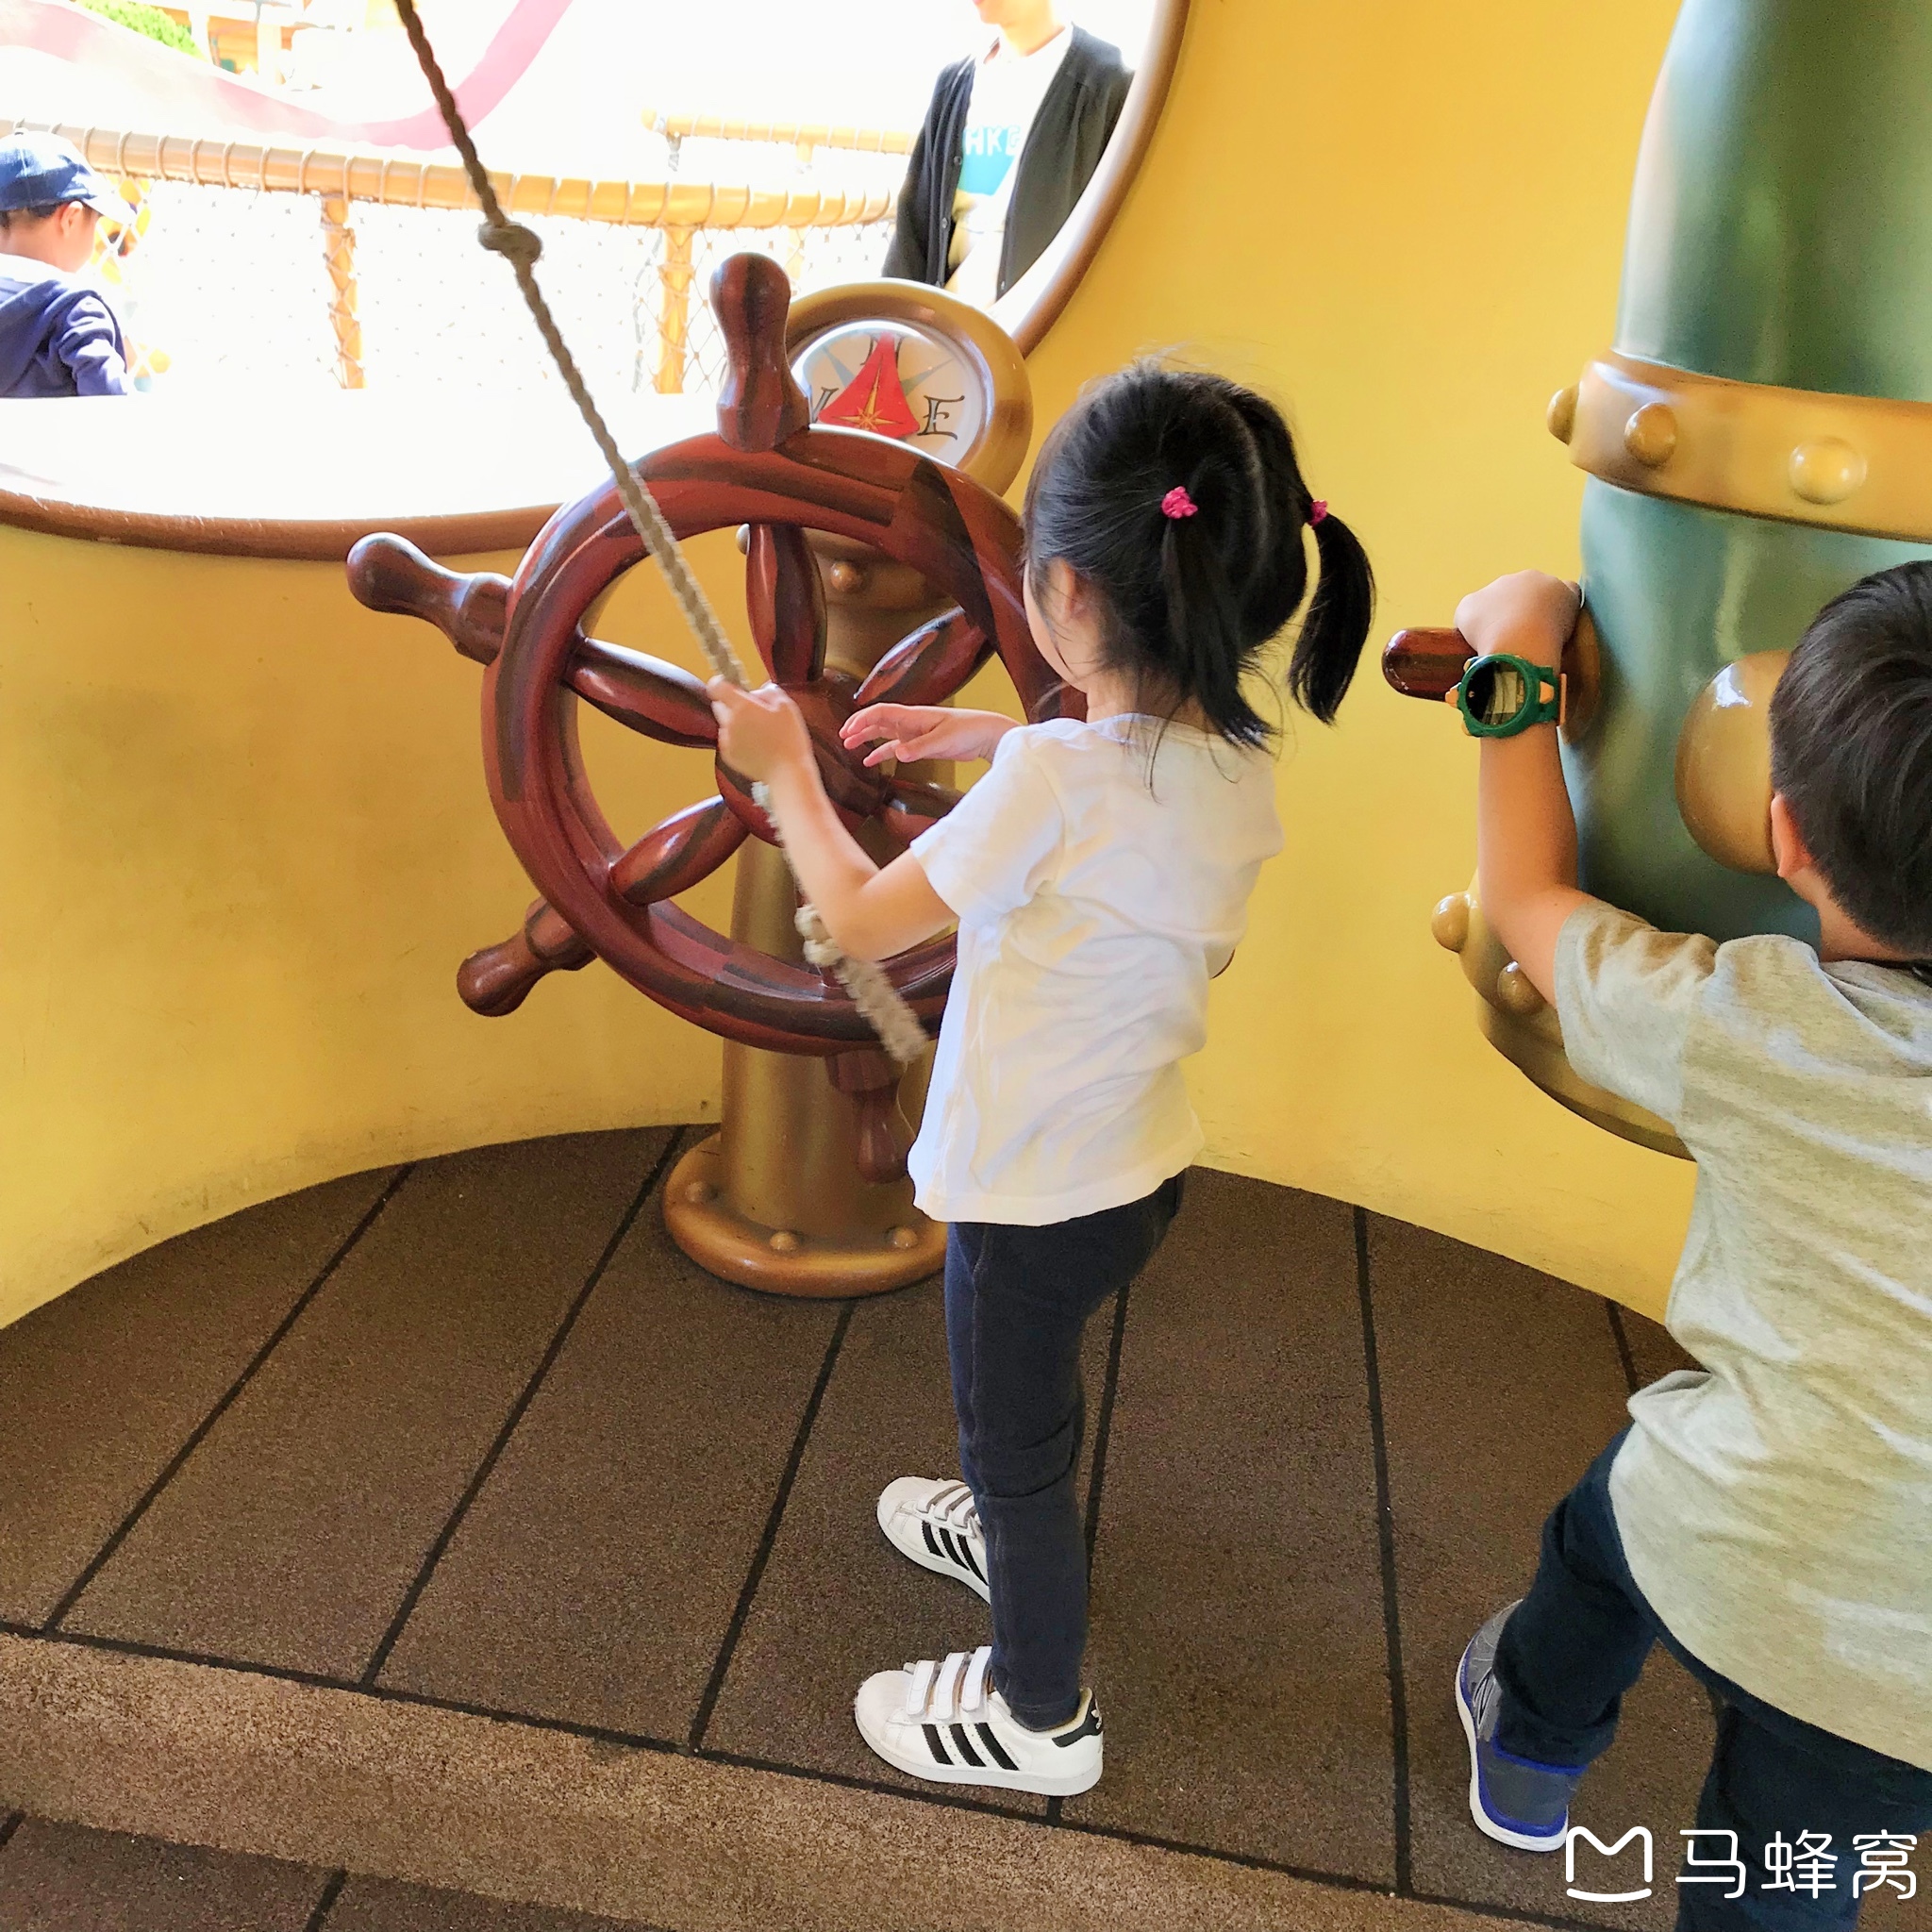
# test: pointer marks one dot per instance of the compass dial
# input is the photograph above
(899, 381)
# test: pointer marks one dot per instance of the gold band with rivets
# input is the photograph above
(1857, 463)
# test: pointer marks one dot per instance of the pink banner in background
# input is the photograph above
(198, 96)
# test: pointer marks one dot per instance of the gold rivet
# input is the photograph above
(1826, 470)
(1515, 994)
(1449, 923)
(847, 579)
(698, 1192)
(1561, 414)
(785, 1242)
(1651, 434)
(901, 1237)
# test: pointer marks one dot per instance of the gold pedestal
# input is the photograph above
(774, 1199)
(700, 1211)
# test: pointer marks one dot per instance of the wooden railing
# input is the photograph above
(802, 137)
(338, 179)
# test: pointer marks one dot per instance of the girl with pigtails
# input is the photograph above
(1099, 875)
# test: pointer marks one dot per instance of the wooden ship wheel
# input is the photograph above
(811, 1198)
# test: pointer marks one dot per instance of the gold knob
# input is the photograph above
(1516, 994)
(846, 578)
(697, 1192)
(1724, 763)
(901, 1237)
(785, 1242)
(1828, 471)
(1449, 923)
(1651, 434)
(1561, 414)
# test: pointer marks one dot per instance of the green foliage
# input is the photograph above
(150, 21)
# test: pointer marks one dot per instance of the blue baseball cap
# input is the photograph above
(41, 171)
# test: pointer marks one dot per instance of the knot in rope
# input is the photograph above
(820, 947)
(516, 243)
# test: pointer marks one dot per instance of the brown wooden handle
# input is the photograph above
(1430, 663)
(1426, 663)
(391, 574)
(786, 600)
(642, 692)
(499, 980)
(760, 403)
(884, 1139)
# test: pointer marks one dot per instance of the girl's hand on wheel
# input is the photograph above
(761, 733)
(910, 732)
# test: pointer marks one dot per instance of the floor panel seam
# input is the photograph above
(1384, 1537)
(1516, 1915)
(379, 1693)
(326, 1903)
(727, 1649)
(321, 1680)
(104, 1555)
(481, 1475)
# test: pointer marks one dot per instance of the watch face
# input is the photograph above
(898, 381)
(1497, 693)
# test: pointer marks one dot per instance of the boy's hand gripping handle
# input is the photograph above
(1430, 663)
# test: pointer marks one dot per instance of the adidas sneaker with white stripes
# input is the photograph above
(936, 1526)
(945, 1722)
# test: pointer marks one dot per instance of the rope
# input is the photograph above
(875, 995)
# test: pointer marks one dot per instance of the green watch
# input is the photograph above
(1500, 695)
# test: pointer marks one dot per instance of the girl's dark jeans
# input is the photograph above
(1017, 1300)
(1575, 1644)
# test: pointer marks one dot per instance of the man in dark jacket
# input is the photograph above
(58, 334)
(1010, 141)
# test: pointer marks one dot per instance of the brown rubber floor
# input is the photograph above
(476, 1432)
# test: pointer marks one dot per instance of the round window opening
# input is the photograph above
(300, 224)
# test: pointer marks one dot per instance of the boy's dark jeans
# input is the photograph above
(1017, 1300)
(1575, 1644)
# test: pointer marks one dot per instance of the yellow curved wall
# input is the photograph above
(243, 840)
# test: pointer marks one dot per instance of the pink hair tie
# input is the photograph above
(1177, 504)
(1317, 511)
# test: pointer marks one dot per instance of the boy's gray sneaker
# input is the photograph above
(1516, 1801)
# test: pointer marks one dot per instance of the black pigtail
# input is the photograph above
(1336, 627)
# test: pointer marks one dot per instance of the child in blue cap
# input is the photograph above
(58, 334)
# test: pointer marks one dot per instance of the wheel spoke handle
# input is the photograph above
(498, 980)
(927, 666)
(391, 574)
(786, 602)
(642, 692)
(674, 857)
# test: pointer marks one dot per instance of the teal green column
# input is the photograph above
(1780, 232)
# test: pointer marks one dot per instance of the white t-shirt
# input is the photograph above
(1774, 1504)
(1007, 89)
(1096, 895)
